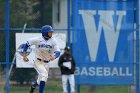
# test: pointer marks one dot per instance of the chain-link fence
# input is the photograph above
(34, 14)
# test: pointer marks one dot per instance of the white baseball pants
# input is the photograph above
(71, 79)
(42, 70)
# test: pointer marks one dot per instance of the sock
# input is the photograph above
(33, 86)
(41, 87)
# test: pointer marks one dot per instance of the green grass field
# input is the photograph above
(84, 89)
(56, 87)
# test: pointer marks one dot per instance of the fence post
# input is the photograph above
(68, 32)
(68, 22)
(78, 88)
(7, 46)
(137, 46)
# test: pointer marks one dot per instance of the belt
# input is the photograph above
(43, 60)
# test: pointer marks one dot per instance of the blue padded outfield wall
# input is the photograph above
(103, 44)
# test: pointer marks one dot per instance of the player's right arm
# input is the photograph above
(25, 58)
(56, 53)
(29, 43)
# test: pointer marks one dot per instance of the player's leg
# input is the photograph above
(33, 86)
(44, 77)
(72, 83)
(43, 74)
(64, 83)
(37, 82)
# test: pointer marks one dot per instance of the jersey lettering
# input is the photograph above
(44, 46)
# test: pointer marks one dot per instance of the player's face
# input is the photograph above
(49, 34)
(67, 52)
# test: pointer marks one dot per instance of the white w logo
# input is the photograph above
(106, 23)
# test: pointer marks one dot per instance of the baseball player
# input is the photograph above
(46, 50)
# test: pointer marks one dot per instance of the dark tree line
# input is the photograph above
(34, 13)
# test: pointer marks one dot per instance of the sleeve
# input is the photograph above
(57, 54)
(25, 47)
(29, 43)
(32, 41)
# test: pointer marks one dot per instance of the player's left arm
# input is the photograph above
(56, 53)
